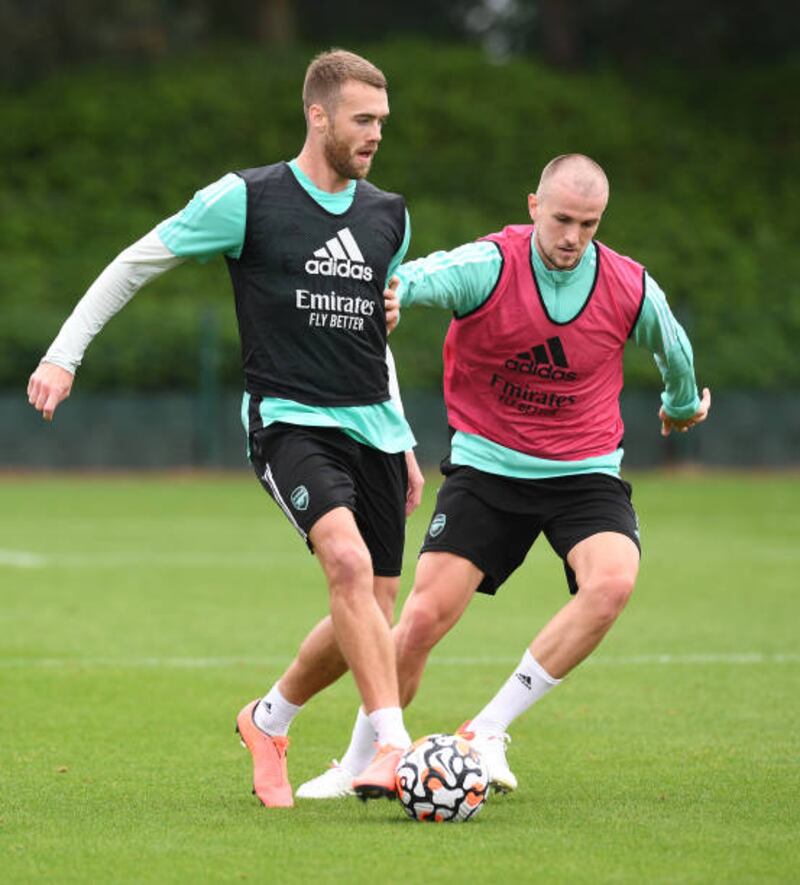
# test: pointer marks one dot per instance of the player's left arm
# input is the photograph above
(391, 299)
(416, 480)
(658, 330)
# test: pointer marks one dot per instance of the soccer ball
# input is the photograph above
(441, 778)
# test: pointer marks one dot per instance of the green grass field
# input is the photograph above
(138, 614)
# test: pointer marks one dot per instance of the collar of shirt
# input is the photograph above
(337, 203)
(557, 278)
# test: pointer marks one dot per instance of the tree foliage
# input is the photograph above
(95, 159)
(44, 36)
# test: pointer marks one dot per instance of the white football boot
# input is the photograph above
(334, 783)
(492, 749)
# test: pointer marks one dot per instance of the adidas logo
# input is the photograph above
(524, 679)
(546, 360)
(340, 257)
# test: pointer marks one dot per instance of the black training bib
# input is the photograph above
(309, 291)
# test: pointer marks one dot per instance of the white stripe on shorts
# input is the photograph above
(269, 479)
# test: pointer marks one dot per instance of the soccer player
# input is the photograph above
(309, 245)
(532, 377)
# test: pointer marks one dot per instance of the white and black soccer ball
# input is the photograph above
(441, 778)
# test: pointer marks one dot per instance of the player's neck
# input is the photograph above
(313, 164)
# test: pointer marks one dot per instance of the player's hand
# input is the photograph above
(416, 482)
(668, 424)
(48, 386)
(391, 301)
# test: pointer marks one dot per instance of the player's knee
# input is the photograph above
(609, 595)
(349, 568)
(420, 626)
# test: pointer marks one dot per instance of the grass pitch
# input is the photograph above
(139, 614)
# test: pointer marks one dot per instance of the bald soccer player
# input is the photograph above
(532, 378)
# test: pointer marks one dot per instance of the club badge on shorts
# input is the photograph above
(437, 525)
(300, 498)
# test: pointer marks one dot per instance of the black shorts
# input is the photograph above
(311, 470)
(493, 520)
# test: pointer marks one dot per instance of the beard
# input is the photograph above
(340, 156)
(562, 262)
(554, 260)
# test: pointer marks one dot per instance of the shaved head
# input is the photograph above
(576, 172)
(566, 209)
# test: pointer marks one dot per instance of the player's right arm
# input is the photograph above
(213, 222)
(459, 280)
(51, 382)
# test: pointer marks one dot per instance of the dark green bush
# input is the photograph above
(704, 181)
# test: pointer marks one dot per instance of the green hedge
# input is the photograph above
(93, 159)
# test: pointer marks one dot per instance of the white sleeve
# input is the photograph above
(394, 385)
(109, 293)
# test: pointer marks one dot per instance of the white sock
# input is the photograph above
(526, 685)
(274, 713)
(362, 745)
(389, 727)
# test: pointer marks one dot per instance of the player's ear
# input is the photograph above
(533, 205)
(317, 118)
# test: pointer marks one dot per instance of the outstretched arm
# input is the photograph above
(659, 331)
(459, 280)
(213, 222)
(51, 382)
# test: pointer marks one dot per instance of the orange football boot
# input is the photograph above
(270, 777)
(377, 781)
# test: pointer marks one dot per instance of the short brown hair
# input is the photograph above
(329, 71)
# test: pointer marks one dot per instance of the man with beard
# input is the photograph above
(309, 245)
(532, 378)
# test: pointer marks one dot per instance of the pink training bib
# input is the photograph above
(515, 377)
